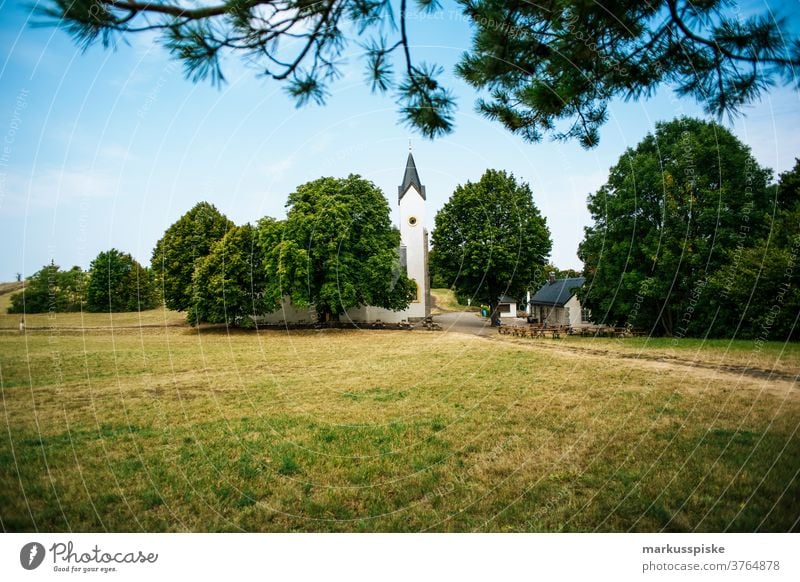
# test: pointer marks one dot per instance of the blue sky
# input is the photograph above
(106, 148)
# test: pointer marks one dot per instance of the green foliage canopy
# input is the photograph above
(335, 250)
(673, 210)
(186, 242)
(761, 277)
(117, 282)
(51, 289)
(490, 239)
(229, 283)
(553, 67)
(548, 68)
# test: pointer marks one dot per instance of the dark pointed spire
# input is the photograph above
(410, 178)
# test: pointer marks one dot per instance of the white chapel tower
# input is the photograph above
(414, 239)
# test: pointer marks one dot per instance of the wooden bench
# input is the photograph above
(533, 331)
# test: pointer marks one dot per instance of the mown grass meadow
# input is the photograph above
(169, 428)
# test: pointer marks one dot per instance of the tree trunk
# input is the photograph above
(494, 313)
(325, 314)
(666, 321)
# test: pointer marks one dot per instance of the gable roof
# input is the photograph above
(410, 178)
(557, 293)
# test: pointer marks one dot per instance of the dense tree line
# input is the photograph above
(49, 290)
(335, 250)
(229, 283)
(689, 239)
(115, 282)
(760, 283)
(178, 253)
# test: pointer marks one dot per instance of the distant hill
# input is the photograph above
(11, 287)
(6, 289)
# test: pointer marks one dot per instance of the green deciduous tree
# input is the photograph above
(549, 67)
(336, 249)
(117, 282)
(544, 275)
(184, 243)
(490, 239)
(51, 289)
(760, 280)
(229, 283)
(285, 263)
(664, 224)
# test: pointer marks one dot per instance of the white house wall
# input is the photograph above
(571, 314)
(288, 313)
(552, 315)
(574, 307)
(368, 314)
(511, 311)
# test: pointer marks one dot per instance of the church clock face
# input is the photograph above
(412, 220)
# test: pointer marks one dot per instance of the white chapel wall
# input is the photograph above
(412, 233)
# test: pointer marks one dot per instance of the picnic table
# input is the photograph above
(534, 330)
(607, 331)
(537, 330)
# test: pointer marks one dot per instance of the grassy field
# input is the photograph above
(445, 300)
(166, 428)
(157, 318)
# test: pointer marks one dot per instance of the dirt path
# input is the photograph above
(772, 380)
(777, 382)
(671, 360)
(467, 322)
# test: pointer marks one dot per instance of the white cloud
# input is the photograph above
(53, 188)
(276, 170)
(321, 143)
(115, 153)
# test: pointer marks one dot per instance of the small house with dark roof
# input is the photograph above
(507, 306)
(556, 303)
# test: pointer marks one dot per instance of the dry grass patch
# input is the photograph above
(153, 318)
(768, 360)
(171, 429)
